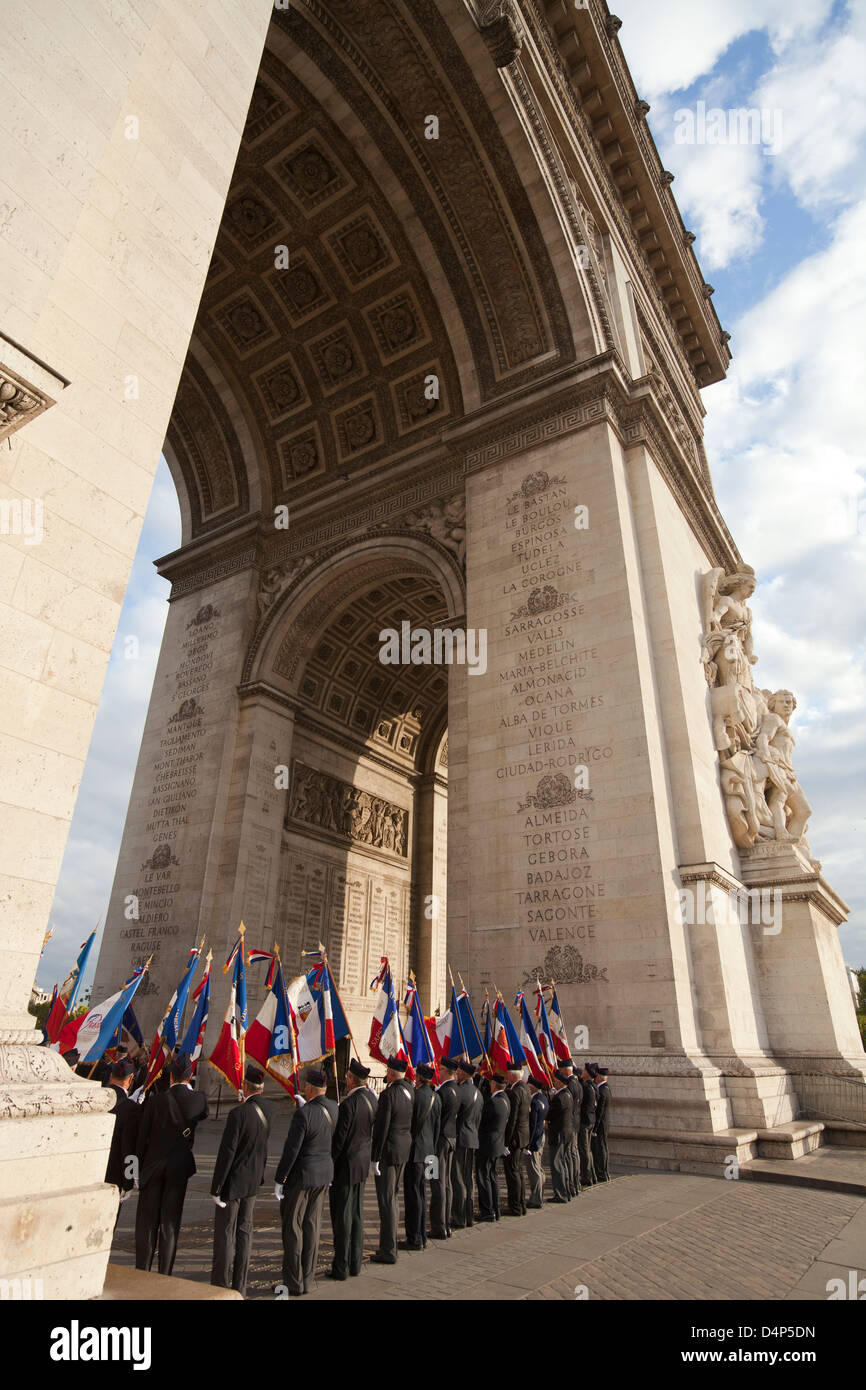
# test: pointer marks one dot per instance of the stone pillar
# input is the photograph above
(574, 881)
(811, 1021)
(430, 889)
(167, 886)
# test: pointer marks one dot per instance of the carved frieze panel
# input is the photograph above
(327, 803)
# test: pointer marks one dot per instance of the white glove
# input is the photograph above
(217, 1200)
(376, 1171)
(278, 1191)
(123, 1196)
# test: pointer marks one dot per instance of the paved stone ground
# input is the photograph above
(644, 1236)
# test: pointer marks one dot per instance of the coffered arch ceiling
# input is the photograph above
(408, 259)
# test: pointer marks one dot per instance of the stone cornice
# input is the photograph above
(586, 70)
(639, 412)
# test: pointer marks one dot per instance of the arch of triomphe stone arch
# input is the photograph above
(531, 262)
(308, 705)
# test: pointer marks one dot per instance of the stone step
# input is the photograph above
(829, 1168)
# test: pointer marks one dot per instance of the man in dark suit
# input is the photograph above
(426, 1120)
(587, 1125)
(491, 1147)
(392, 1144)
(122, 1156)
(350, 1150)
(471, 1103)
(560, 1132)
(533, 1154)
(572, 1156)
(516, 1140)
(165, 1139)
(602, 1112)
(441, 1195)
(238, 1174)
(303, 1176)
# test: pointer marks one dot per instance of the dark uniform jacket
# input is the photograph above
(602, 1106)
(426, 1120)
(560, 1116)
(243, 1152)
(124, 1140)
(587, 1106)
(166, 1132)
(392, 1129)
(353, 1137)
(469, 1115)
(575, 1087)
(449, 1096)
(306, 1158)
(538, 1109)
(517, 1129)
(491, 1131)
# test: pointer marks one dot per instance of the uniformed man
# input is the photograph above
(560, 1131)
(421, 1163)
(471, 1103)
(392, 1144)
(238, 1174)
(602, 1113)
(303, 1176)
(122, 1159)
(165, 1139)
(442, 1188)
(350, 1150)
(491, 1147)
(516, 1140)
(587, 1125)
(533, 1155)
(572, 1156)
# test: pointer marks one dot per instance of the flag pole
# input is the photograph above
(99, 1059)
(352, 1043)
(242, 1031)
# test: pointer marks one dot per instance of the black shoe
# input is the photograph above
(458, 1226)
(405, 1245)
(329, 1274)
(378, 1259)
(486, 1218)
(439, 1235)
(559, 1201)
(447, 1235)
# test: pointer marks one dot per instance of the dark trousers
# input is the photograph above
(160, 1208)
(232, 1244)
(415, 1203)
(599, 1154)
(302, 1222)
(572, 1163)
(534, 1171)
(463, 1201)
(347, 1220)
(560, 1168)
(488, 1186)
(442, 1192)
(587, 1171)
(515, 1182)
(387, 1188)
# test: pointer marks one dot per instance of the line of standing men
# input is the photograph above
(436, 1134)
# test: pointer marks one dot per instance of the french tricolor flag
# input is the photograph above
(439, 1032)
(386, 1035)
(417, 1039)
(529, 1041)
(545, 1037)
(557, 1028)
(226, 1056)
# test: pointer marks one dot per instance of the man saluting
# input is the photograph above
(238, 1175)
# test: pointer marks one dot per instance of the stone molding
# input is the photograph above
(36, 1081)
(27, 387)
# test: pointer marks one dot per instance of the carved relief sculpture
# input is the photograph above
(763, 798)
(323, 801)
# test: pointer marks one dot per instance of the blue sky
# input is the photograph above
(781, 236)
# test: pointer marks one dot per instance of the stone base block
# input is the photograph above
(124, 1284)
(790, 1140)
(678, 1151)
